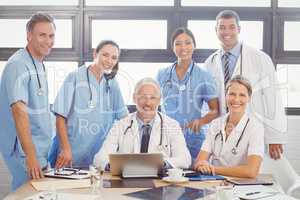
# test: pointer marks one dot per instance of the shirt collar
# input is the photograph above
(188, 72)
(235, 51)
(242, 123)
(141, 123)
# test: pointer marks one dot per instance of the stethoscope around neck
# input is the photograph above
(168, 83)
(40, 90)
(234, 150)
(241, 60)
(91, 104)
(161, 128)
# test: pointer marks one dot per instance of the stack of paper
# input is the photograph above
(60, 184)
(61, 196)
(254, 192)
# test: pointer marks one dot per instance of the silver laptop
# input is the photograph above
(118, 161)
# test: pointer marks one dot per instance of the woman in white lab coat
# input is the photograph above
(235, 143)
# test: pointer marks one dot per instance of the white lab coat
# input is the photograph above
(174, 147)
(266, 103)
(251, 141)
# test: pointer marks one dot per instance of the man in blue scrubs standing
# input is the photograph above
(25, 115)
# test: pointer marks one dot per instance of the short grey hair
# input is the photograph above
(228, 14)
(147, 81)
(39, 17)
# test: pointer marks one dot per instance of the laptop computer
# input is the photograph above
(118, 161)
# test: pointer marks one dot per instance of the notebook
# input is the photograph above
(196, 176)
(249, 181)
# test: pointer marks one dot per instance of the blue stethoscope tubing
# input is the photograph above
(107, 87)
(40, 89)
(161, 128)
(169, 80)
(234, 149)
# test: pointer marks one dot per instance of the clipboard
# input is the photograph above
(68, 173)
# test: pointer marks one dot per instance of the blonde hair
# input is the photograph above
(240, 80)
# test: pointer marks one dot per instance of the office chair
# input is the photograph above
(283, 172)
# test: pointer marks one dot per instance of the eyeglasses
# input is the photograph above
(148, 97)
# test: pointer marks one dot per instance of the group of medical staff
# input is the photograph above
(237, 83)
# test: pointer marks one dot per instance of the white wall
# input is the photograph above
(292, 152)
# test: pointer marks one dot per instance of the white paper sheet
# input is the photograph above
(60, 184)
(61, 196)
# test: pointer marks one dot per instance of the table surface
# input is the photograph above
(117, 193)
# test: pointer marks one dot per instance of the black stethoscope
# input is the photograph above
(40, 90)
(107, 88)
(169, 82)
(241, 62)
(161, 128)
(234, 149)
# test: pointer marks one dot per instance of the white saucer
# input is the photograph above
(175, 180)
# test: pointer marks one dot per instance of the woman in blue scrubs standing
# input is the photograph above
(185, 86)
(86, 106)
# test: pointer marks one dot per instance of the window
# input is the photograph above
(143, 29)
(38, 3)
(225, 3)
(206, 38)
(288, 3)
(16, 36)
(130, 73)
(2, 65)
(131, 34)
(288, 77)
(291, 34)
(130, 3)
(57, 72)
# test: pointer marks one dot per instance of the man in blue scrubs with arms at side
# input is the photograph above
(25, 114)
(184, 87)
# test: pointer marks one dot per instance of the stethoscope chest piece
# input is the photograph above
(182, 87)
(40, 92)
(91, 104)
(234, 151)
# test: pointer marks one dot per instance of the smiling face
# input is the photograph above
(147, 99)
(227, 31)
(183, 47)
(41, 39)
(237, 98)
(107, 57)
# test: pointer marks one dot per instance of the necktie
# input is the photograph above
(226, 68)
(145, 138)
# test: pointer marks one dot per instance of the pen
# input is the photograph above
(252, 193)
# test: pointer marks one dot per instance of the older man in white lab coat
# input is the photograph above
(237, 58)
(146, 130)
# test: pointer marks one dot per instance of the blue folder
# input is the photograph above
(201, 177)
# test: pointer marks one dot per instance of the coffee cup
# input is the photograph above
(175, 173)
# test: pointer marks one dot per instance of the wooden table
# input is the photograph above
(113, 193)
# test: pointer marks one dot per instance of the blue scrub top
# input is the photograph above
(183, 99)
(87, 127)
(19, 83)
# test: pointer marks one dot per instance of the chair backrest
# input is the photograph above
(282, 171)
